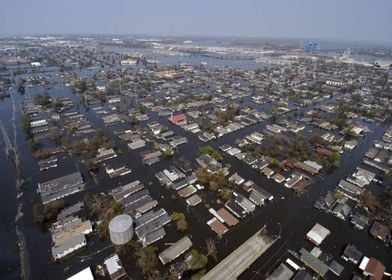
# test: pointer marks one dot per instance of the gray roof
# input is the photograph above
(68, 244)
(154, 236)
(303, 275)
(60, 187)
(336, 268)
(342, 209)
(359, 220)
(314, 263)
(149, 216)
(175, 250)
(70, 210)
(154, 222)
(194, 200)
(134, 197)
(130, 188)
(138, 205)
(351, 188)
(352, 253)
(282, 272)
(261, 191)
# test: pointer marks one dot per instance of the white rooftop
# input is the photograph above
(84, 274)
(364, 263)
(318, 233)
(112, 264)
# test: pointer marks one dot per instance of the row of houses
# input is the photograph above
(321, 265)
(69, 232)
(138, 203)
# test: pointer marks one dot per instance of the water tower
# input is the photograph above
(121, 229)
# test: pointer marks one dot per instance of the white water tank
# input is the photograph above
(121, 229)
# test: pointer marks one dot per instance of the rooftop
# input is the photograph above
(175, 250)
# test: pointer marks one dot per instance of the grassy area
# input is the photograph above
(147, 261)
(89, 146)
(43, 99)
(212, 152)
(281, 148)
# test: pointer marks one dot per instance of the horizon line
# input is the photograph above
(346, 40)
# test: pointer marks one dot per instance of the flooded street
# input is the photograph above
(288, 215)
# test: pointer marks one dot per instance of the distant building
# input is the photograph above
(35, 64)
(312, 47)
(178, 119)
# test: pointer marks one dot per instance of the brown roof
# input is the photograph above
(227, 217)
(323, 151)
(289, 163)
(217, 226)
(375, 268)
(380, 231)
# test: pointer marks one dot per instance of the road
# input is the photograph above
(241, 258)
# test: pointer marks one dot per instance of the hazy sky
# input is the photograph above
(330, 19)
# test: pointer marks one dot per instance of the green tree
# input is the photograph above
(181, 223)
(212, 152)
(198, 260)
(147, 261)
(43, 213)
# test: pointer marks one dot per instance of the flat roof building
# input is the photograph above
(317, 234)
(84, 274)
(61, 187)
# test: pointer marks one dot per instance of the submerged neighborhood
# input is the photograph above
(167, 159)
